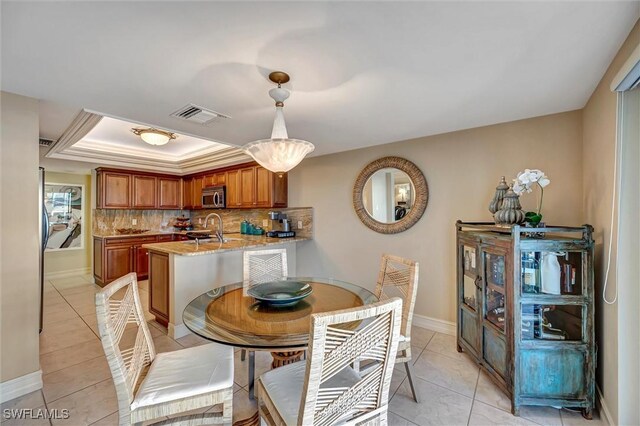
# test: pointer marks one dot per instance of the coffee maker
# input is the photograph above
(280, 225)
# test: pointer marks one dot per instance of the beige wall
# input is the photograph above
(72, 260)
(462, 170)
(599, 129)
(19, 237)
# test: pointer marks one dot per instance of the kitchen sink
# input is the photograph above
(211, 241)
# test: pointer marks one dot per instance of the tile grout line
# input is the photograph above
(102, 418)
(473, 400)
(80, 390)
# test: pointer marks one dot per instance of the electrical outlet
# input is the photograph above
(265, 222)
(134, 222)
(299, 224)
(199, 221)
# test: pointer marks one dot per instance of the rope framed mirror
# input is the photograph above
(390, 195)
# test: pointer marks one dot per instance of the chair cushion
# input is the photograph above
(185, 373)
(285, 384)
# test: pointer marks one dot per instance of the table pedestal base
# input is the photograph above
(284, 358)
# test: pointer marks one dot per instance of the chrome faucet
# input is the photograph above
(219, 231)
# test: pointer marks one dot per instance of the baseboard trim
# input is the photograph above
(434, 324)
(66, 274)
(602, 406)
(177, 331)
(20, 386)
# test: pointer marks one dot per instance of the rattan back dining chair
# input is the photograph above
(152, 386)
(398, 277)
(326, 390)
(260, 266)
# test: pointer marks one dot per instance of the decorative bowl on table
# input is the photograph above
(280, 293)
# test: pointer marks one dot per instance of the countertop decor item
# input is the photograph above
(501, 189)
(280, 293)
(524, 183)
(510, 212)
(279, 154)
(525, 311)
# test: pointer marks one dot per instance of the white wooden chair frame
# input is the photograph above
(333, 349)
(128, 366)
(402, 275)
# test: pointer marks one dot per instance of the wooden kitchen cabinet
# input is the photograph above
(114, 190)
(215, 179)
(144, 192)
(118, 261)
(197, 192)
(115, 257)
(159, 286)
(187, 193)
(233, 189)
(256, 187)
(169, 193)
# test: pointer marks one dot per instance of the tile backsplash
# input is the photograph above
(105, 222)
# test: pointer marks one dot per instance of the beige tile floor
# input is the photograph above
(76, 375)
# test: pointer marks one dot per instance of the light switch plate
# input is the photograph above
(299, 224)
(134, 221)
(265, 222)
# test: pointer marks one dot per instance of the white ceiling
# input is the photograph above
(362, 73)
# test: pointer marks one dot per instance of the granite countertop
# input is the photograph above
(235, 242)
(144, 234)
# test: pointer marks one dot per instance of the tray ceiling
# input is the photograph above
(362, 73)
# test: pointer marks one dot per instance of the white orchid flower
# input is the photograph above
(525, 180)
(544, 181)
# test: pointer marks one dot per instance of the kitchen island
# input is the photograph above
(179, 271)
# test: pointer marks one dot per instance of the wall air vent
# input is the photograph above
(197, 114)
(45, 142)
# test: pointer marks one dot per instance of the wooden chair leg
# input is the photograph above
(409, 368)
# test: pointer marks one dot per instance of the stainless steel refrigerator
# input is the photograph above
(44, 236)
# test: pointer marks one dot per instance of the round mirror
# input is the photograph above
(390, 195)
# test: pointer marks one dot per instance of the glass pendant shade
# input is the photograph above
(154, 136)
(279, 154)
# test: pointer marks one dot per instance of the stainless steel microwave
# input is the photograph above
(213, 197)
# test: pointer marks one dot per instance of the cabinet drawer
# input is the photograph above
(130, 241)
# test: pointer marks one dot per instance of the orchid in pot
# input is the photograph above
(524, 182)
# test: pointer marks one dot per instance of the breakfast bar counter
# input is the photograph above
(179, 271)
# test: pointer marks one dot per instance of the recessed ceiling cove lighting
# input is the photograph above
(154, 136)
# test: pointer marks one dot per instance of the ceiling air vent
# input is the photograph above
(45, 142)
(197, 114)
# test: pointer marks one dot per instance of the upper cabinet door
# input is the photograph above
(168, 193)
(197, 192)
(280, 195)
(116, 190)
(187, 193)
(264, 187)
(233, 189)
(144, 192)
(247, 187)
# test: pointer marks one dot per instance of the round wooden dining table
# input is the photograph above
(229, 316)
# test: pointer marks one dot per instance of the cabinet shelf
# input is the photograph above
(514, 331)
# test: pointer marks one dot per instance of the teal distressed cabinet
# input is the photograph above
(525, 311)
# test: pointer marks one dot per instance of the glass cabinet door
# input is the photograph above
(548, 272)
(495, 277)
(469, 289)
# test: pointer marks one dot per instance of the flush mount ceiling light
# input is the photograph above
(279, 154)
(154, 136)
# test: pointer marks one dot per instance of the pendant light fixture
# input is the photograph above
(279, 154)
(154, 136)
